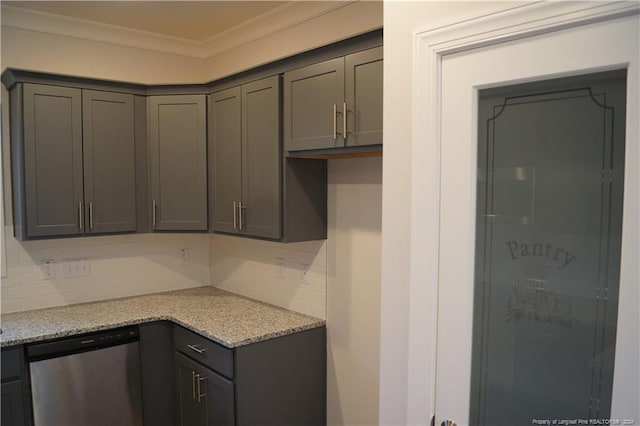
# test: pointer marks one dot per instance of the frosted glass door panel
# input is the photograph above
(548, 234)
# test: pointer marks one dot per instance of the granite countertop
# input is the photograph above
(224, 317)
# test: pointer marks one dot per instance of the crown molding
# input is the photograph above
(286, 16)
(281, 18)
(48, 23)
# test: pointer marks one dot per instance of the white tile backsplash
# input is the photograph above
(251, 268)
(121, 266)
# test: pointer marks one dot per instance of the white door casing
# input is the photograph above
(531, 42)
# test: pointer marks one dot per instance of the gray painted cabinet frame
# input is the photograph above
(73, 161)
(245, 156)
(334, 104)
(109, 162)
(178, 162)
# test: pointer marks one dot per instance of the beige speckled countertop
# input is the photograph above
(223, 317)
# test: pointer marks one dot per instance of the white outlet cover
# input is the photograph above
(48, 268)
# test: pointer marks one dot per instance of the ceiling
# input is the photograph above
(189, 20)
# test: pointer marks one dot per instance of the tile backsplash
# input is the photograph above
(114, 266)
(290, 275)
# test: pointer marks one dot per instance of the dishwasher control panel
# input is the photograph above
(81, 343)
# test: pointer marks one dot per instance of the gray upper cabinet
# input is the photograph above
(225, 151)
(363, 95)
(109, 162)
(52, 162)
(73, 156)
(178, 162)
(334, 104)
(245, 156)
(313, 99)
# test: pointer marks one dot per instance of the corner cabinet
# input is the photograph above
(335, 103)
(177, 131)
(253, 190)
(281, 381)
(73, 161)
(245, 156)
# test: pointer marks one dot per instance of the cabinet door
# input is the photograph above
(109, 162)
(225, 151)
(178, 162)
(204, 397)
(313, 100)
(52, 160)
(12, 404)
(261, 157)
(363, 90)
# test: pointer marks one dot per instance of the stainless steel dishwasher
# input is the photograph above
(92, 379)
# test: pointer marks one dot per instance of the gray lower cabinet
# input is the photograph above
(281, 381)
(246, 156)
(73, 161)
(13, 388)
(177, 131)
(335, 103)
(204, 396)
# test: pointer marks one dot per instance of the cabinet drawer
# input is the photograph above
(11, 363)
(205, 351)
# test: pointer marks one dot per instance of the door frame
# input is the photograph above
(430, 47)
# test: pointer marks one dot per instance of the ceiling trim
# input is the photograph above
(283, 17)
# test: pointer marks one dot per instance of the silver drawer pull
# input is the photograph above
(195, 348)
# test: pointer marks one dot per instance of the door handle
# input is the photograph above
(200, 380)
(335, 122)
(235, 216)
(241, 210)
(90, 216)
(154, 213)
(344, 122)
(80, 215)
(193, 385)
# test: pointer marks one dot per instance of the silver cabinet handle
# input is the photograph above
(153, 213)
(235, 216)
(90, 216)
(199, 391)
(335, 124)
(80, 215)
(344, 122)
(240, 209)
(193, 385)
(195, 348)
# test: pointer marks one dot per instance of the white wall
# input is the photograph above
(272, 272)
(347, 21)
(120, 266)
(398, 389)
(39, 51)
(353, 291)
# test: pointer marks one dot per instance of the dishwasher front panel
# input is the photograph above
(98, 387)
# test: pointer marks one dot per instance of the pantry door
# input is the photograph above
(538, 159)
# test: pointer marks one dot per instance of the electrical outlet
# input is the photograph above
(48, 269)
(281, 268)
(183, 254)
(305, 273)
(73, 268)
